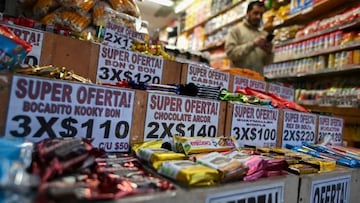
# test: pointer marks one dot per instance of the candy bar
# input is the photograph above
(189, 173)
(230, 169)
(194, 145)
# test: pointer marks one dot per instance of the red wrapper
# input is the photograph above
(276, 101)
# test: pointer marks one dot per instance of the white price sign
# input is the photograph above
(263, 194)
(284, 92)
(256, 126)
(33, 37)
(207, 76)
(334, 190)
(331, 126)
(41, 108)
(115, 65)
(298, 127)
(121, 37)
(242, 82)
(169, 115)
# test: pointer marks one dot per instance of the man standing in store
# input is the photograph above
(246, 45)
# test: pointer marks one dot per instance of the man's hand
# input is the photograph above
(262, 43)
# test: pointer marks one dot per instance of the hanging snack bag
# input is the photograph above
(12, 49)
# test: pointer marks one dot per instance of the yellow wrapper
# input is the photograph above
(324, 165)
(195, 145)
(301, 169)
(156, 156)
(150, 144)
(189, 173)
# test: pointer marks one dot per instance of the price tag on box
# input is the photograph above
(254, 125)
(121, 37)
(198, 74)
(169, 115)
(42, 108)
(282, 91)
(330, 126)
(298, 127)
(331, 190)
(242, 82)
(115, 65)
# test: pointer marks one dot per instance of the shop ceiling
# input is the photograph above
(157, 15)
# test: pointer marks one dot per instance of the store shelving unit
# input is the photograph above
(348, 72)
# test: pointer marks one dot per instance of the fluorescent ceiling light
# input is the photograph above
(163, 2)
(182, 5)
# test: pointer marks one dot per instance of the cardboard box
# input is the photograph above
(163, 115)
(297, 127)
(253, 125)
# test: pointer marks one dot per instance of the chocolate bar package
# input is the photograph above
(189, 173)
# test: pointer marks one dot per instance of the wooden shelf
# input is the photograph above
(323, 51)
(351, 70)
(212, 16)
(236, 20)
(351, 115)
(214, 46)
(353, 24)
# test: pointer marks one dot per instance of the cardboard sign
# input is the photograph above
(42, 108)
(32, 36)
(253, 125)
(298, 127)
(169, 115)
(273, 193)
(242, 82)
(331, 126)
(282, 91)
(116, 65)
(331, 190)
(206, 76)
(121, 37)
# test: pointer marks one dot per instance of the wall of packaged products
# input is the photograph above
(317, 51)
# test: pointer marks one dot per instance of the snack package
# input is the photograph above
(80, 6)
(44, 7)
(67, 18)
(194, 145)
(255, 176)
(301, 169)
(55, 157)
(254, 163)
(230, 169)
(100, 16)
(323, 165)
(189, 173)
(12, 49)
(156, 156)
(126, 6)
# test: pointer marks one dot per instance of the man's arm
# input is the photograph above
(236, 50)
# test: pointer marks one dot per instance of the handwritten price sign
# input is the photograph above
(116, 65)
(207, 76)
(298, 127)
(331, 126)
(41, 108)
(256, 126)
(168, 115)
